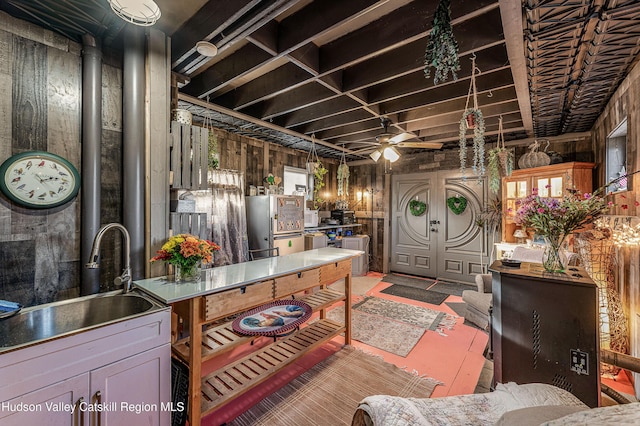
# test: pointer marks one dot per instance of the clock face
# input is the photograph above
(39, 179)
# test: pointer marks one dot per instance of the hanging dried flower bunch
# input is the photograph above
(442, 48)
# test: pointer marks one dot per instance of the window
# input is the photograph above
(616, 158)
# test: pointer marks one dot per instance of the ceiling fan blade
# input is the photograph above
(429, 145)
(402, 137)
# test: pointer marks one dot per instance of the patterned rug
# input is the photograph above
(321, 396)
(383, 333)
(427, 296)
(414, 315)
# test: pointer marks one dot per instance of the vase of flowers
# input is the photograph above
(554, 219)
(186, 253)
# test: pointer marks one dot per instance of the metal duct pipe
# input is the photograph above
(133, 159)
(91, 138)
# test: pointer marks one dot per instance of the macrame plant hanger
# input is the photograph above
(472, 91)
(472, 119)
(343, 184)
(313, 162)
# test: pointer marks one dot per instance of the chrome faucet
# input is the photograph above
(125, 278)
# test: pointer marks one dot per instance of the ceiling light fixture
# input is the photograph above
(375, 155)
(206, 48)
(391, 154)
(138, 12)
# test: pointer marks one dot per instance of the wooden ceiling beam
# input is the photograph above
(278, 81)
(497, 95)
(248, 58)
(404, 25)
(212, 18)
(484, 81)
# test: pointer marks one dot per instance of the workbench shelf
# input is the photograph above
(221, 338)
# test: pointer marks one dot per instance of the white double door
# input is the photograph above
(440, 243)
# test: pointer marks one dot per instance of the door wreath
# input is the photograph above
(457, 204)
(417, 207)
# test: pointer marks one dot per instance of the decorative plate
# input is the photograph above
(273, 319)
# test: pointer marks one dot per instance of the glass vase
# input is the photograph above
(552, 260)
(188, 274)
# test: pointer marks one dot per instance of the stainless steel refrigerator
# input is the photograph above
(275, 221)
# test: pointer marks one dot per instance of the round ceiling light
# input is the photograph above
(206, 48)
(138, 12)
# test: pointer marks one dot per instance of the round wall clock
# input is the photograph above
(39, 179)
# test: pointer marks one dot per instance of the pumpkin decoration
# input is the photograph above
(534, 158)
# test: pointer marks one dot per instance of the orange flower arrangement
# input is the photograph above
(186, 250)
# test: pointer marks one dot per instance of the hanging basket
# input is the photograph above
(312, 167)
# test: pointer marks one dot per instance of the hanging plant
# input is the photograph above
(472, 118)
(457, 204)
(214, 156)
(417, 207)
(500, 161)
(318, 184)
(343, 180)
(442, 48)
(478, 142)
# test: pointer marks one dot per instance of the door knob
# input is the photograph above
(434, 230)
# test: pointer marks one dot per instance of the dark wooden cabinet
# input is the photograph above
(545, 329)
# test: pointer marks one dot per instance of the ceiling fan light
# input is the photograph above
(375, 155)
(206, 48)
(391, 154)
(138, 12)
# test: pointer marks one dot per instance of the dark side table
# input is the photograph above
(545, 329)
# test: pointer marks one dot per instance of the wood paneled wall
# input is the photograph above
(624, 104)
(258, 158)
(41, 83)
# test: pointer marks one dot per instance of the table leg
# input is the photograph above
(347, 308)
(195, 361)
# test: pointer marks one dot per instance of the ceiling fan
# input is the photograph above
(387, 143)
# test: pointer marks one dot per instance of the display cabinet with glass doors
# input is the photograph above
(550, 181)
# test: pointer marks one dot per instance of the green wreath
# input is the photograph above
(417, 207)
(457, 204)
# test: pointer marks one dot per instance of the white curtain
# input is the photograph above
(228, 218)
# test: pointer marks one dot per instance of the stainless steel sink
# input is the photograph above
(43, 322)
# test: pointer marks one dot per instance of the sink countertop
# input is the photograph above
(219, 279)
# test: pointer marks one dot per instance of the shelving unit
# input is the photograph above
(329, 227)
(236, 288)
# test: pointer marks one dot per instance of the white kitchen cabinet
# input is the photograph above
(134, 387)
(120, 371)
(55, 405)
